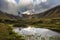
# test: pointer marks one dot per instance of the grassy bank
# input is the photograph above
(53, 24)
(6, 33)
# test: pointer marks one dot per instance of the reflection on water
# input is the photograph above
(31, 33)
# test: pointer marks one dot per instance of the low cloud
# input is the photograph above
(10, 6)
(38, 5)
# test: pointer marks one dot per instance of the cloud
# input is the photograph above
(44, 0)
(38, 5)
(28, 4)
(8, 6)
(45, 5)
(25, 2)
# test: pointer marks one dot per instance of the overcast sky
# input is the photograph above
(13, 6)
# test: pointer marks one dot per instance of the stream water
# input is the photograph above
(31, 33)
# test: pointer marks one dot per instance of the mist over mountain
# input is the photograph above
(11, 6)
(4, 15)
(8, 6)
(51, 13)
(40, 6)
(45, 6)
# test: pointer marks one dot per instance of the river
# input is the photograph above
(32, 33)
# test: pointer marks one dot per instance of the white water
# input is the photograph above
(37, 33)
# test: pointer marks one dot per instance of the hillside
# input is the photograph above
(36, 20)
(54, 12)
(51, 13)
(7, 16)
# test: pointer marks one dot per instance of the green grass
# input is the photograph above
(53, 24)
(6, 28)
(36, 22)
(6, 33)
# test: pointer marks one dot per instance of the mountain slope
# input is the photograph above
(51, 13)
(7, 16)
(54, 12)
